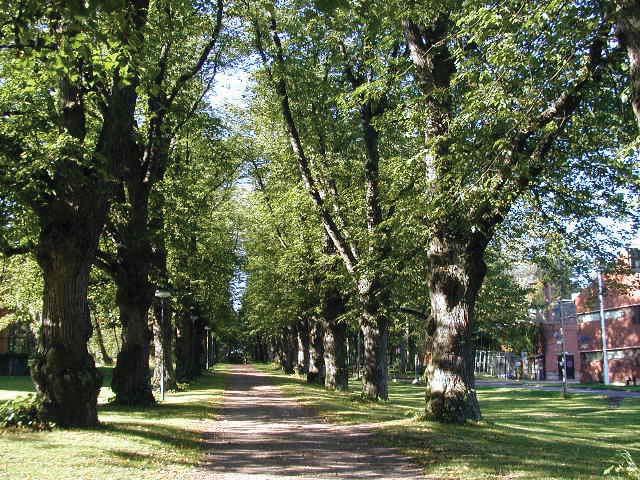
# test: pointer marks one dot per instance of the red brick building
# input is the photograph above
(560, 319)
(622, 323)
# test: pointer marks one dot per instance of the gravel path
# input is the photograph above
(264, 435)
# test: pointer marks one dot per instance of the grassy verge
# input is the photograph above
(131, 443)
(524, 435)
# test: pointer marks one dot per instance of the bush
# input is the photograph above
(24, 412)
(625, 468)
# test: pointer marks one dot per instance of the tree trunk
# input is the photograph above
(289, 349)
(316, 372)
(131, 381)
(628, 32)
(184, 347)
(64, 372)
(106, 359)
(335, 356)
(375, 332)
(303, 347)
(163, 346)
(457, 270)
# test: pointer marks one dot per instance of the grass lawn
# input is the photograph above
(524, 435)
(162, 442)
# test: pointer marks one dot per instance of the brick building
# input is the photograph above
(622, 323)
(559, 318)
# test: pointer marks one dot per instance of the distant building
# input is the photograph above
(622, 323)
(559, 319)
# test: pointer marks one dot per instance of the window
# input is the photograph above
(635, 315)
(592, 357)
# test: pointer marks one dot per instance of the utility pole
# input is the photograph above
(603, 328)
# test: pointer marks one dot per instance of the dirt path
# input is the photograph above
(264, 435)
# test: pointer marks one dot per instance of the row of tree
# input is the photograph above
(109, 156)
(419, 140)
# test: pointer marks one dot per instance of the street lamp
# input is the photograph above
(162, 295)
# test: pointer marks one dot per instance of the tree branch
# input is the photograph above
(308, 178)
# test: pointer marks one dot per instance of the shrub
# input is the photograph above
(24, 412)
(625, 467)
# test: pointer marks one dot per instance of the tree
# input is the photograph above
(489, 144)
(169, 106)
(60, 153)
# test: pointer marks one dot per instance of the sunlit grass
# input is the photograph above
(147, 444)
(525, 434)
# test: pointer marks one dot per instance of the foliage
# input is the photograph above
(20, 290)
(24, 412)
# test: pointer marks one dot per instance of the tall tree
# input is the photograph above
(167, 109)
(62, 166)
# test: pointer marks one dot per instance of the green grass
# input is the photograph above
(143, 444)
(524, 434)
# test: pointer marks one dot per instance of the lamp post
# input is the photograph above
(603, 328)
(207, 329)
(162, 295)
(564, 350)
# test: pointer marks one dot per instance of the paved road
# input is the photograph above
(263, 435)
(557, 388)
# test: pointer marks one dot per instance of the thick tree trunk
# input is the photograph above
(289, 350)
(628, 31)
(303, 347)
(134, 294)
(457, 270)
(375, 331)
(184, 347)
(316, 372)
(64, 372)
(131, 381)
(335, 356)
(106, 359)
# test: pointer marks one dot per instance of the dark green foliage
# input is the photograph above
(24, 412)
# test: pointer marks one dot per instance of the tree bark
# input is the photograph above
(303, 347)
(457, 270)
(163, 346)
(628, 32)
(289, 350)
(334, 341)
(106, 359)
(316, 372)
(131, 381)
(63, 370)
(185, 354)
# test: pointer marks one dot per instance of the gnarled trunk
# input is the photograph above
(457, 270)
(316, 372)
(63, 370)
